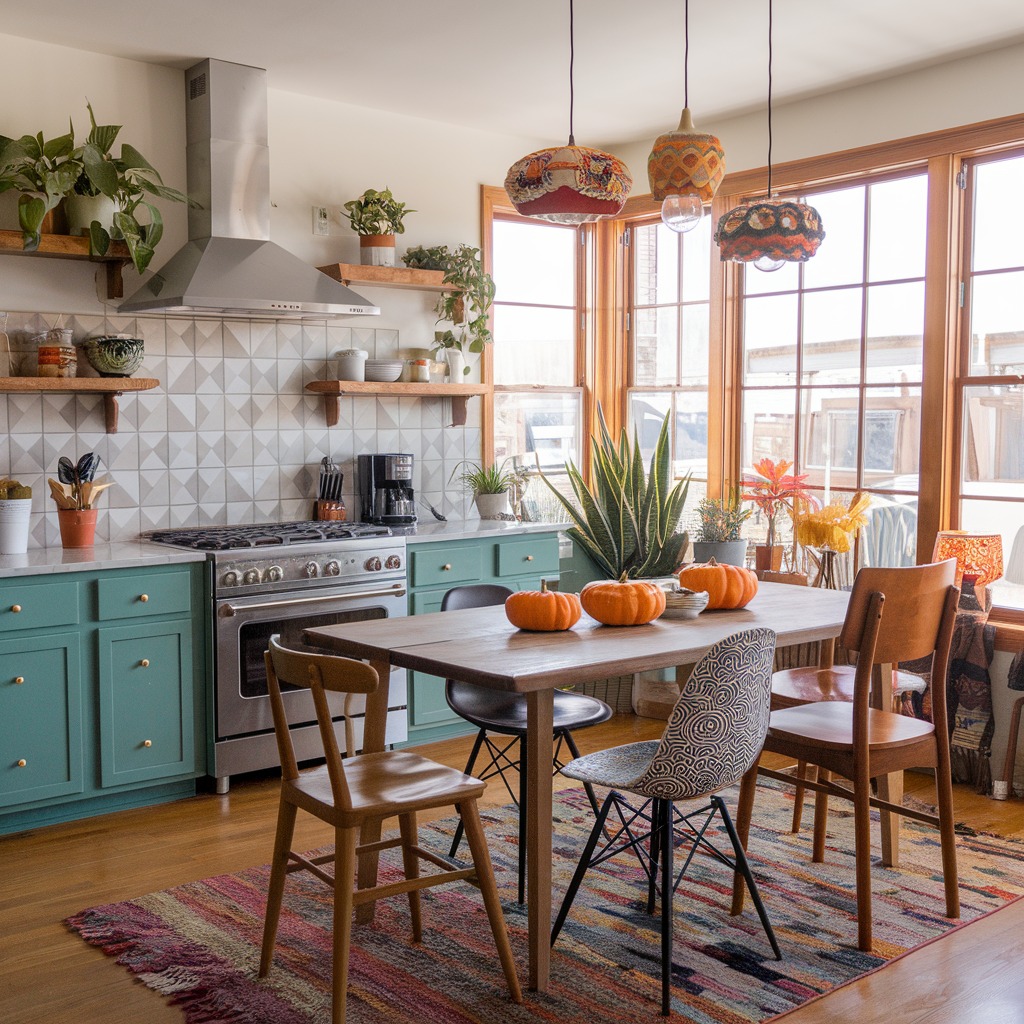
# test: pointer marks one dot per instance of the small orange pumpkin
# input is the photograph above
(623, 602)
(543, 610)
(728, 586)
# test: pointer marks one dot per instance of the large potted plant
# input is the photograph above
(718, 531)
(627, 521)
(377, 217)
(465, 305)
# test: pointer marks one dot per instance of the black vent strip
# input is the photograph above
(197, 86)
(257, 535)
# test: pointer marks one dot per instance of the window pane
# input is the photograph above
(534, 263)
(694, 362)
(769, 424)
(895, 333)
(997, 324)
(656, 252)
(840, 258)
(546, 425)
(1007, 520)
(656, 345)
(892, 439)
(998, 214)
(647, 410)
(696, 262)
(893, 251)
(993, 442)
(830, 445)
(889, 537)
(689, 440)
(533, 345)
(769, 339)
(757, 282)
(832, 337)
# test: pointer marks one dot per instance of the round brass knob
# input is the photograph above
(15, 608)
(529, 558)
(22, 762)
(446, 567)
(143, 598)
(147, 743)
(144, 663)
(18, 680)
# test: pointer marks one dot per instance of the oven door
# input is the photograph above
(244, 626)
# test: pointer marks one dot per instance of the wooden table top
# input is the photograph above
(481, 646)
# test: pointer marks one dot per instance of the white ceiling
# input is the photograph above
(504, 66)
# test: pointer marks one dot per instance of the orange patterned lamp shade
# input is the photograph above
(977, 554)
(773, 229)
(686, 162)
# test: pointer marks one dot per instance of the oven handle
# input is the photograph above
(228, 610)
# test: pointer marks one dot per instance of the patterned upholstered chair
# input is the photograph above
(713, 737)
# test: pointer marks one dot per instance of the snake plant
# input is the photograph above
(628, 522)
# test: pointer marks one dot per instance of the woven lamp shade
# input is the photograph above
(976, 554)
(568, 185)
(778, 229)
(686, 162)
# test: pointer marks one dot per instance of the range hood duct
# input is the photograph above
(229, 267)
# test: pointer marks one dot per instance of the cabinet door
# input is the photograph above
(145, 702)
(533, 556)
(40, 718)
(427, 705)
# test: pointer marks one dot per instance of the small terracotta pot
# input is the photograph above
(769, 558)
(377, 250)
(77, 527)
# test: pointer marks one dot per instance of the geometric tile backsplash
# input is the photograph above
(230, 434)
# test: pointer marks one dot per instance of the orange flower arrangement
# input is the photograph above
(774, 489)
(832, 527)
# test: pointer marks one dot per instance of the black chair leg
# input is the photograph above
(477, 744)
(523, 819)
(581, 867)
(748, 876)
(652, 878)
(667, 844)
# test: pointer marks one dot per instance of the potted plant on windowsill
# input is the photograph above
(718, 534)
(75, 490)
(491, 486)
(377, 217)
(774, 489)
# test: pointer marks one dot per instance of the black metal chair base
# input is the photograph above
(656, 822)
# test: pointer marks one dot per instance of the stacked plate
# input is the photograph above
(383, 370)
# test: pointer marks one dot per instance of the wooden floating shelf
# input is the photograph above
(387, 277)
(108, 387)
(332, 390)
(72, 247)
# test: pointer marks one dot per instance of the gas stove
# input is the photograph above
(256, 535)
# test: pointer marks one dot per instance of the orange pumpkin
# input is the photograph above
(728, 586)
(623, 602)
(543, 610)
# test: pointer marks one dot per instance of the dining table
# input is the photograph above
(481, 646)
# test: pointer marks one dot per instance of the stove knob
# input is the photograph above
(393, 562)
(230, 578)
(332, 568)
(372, 564)
(312, 570)
(274, 574)
(251, 577)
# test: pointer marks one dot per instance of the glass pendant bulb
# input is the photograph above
(682, 212)
(766, 264)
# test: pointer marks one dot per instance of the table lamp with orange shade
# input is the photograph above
(979, 559)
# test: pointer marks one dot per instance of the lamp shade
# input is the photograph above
(976, 554)
(568, 184)
(773, 229)
(686, 162)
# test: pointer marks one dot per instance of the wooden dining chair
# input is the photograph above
(366, 788)
(504, 714)
(863, 739)
(713, 736)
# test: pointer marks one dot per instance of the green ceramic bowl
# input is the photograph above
(117, 355)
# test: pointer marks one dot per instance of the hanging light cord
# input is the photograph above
(686, 53)
(769, 99)
(572, 57)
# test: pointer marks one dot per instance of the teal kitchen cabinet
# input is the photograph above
(518, 561)
(102, 691)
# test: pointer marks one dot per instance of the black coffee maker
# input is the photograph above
(385, 489)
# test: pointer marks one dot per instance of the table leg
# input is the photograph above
(539, 726)
(890, 787)
(374, 727)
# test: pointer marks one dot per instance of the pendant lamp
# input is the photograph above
(769, 232)
(686, 166)
(569, 184)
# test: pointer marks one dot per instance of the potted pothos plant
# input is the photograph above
(466, 304)
(377, 217)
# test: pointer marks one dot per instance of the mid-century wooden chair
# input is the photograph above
(366, 788)
(713, 736)
(861, 742)
(505, 715)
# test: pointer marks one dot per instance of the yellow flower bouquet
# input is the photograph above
(830, 530)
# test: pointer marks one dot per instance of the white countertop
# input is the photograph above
(426, 532)
(39, 561)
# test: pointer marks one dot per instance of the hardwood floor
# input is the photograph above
(48, 974)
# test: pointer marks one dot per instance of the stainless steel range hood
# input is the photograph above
(229, 267)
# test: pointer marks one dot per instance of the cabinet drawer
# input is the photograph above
(536, 555)
(158, 593)
(40, 719)
(428, 601)
(434, 565)
(145, 702)
(30, 605)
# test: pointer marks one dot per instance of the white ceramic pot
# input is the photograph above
(456, 365)
(83, 210)
(351, 364)
(492, 506)
(14, 520)
(377, 250)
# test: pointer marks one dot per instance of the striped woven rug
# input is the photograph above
(198, 944)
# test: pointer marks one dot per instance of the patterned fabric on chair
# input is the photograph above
(713, 737)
